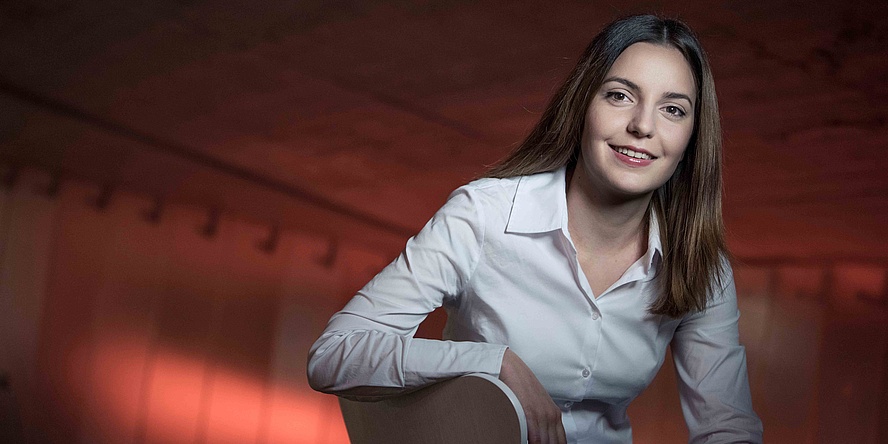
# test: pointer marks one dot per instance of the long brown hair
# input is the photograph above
(688, 205)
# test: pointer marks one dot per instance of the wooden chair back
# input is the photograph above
(475, 408)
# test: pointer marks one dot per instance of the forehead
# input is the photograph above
(658, 68)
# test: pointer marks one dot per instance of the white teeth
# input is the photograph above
(634, 154)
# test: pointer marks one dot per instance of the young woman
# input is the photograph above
(568, 270)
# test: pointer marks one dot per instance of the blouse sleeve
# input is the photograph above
(368, 350)
(712, 377)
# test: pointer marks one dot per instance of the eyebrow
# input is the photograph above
(633, 86)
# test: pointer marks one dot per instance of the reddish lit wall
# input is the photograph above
(121, 329)
(127, 330)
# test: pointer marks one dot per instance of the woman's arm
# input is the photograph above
(367, 350)
(711, 368)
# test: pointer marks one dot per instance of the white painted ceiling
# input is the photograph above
(355, 119)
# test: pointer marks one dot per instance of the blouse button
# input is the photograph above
(594, 315)
(586, 373)
(568, 404)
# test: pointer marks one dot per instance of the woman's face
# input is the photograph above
(639, 122)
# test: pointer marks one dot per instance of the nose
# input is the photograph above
(642, 123)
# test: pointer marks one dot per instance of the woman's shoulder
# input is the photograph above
(495, 186)
(489, 199)
(494, 199)
(489, 191)
(501, 192)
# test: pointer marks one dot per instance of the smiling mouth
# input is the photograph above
(631, 153)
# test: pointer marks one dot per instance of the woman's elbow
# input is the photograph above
(320, 369)
(317, 380)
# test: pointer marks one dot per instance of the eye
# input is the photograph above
(675, 111)
(617, 96)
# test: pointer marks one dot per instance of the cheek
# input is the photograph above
(678, 139)
(599, 123)
(590, 131)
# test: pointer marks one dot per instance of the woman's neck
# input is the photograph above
(602, 223)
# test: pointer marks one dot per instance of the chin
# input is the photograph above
(633, 189)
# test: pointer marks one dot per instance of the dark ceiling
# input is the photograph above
(355, 119)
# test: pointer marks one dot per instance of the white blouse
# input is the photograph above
(498, 257)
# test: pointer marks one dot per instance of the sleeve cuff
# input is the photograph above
(429, 360)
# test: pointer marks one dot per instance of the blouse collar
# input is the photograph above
(540, 206)
(540, 203)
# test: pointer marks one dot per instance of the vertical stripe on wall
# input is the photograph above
(66, 340)
(27, 216)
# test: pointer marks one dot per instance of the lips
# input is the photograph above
(633, 152)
